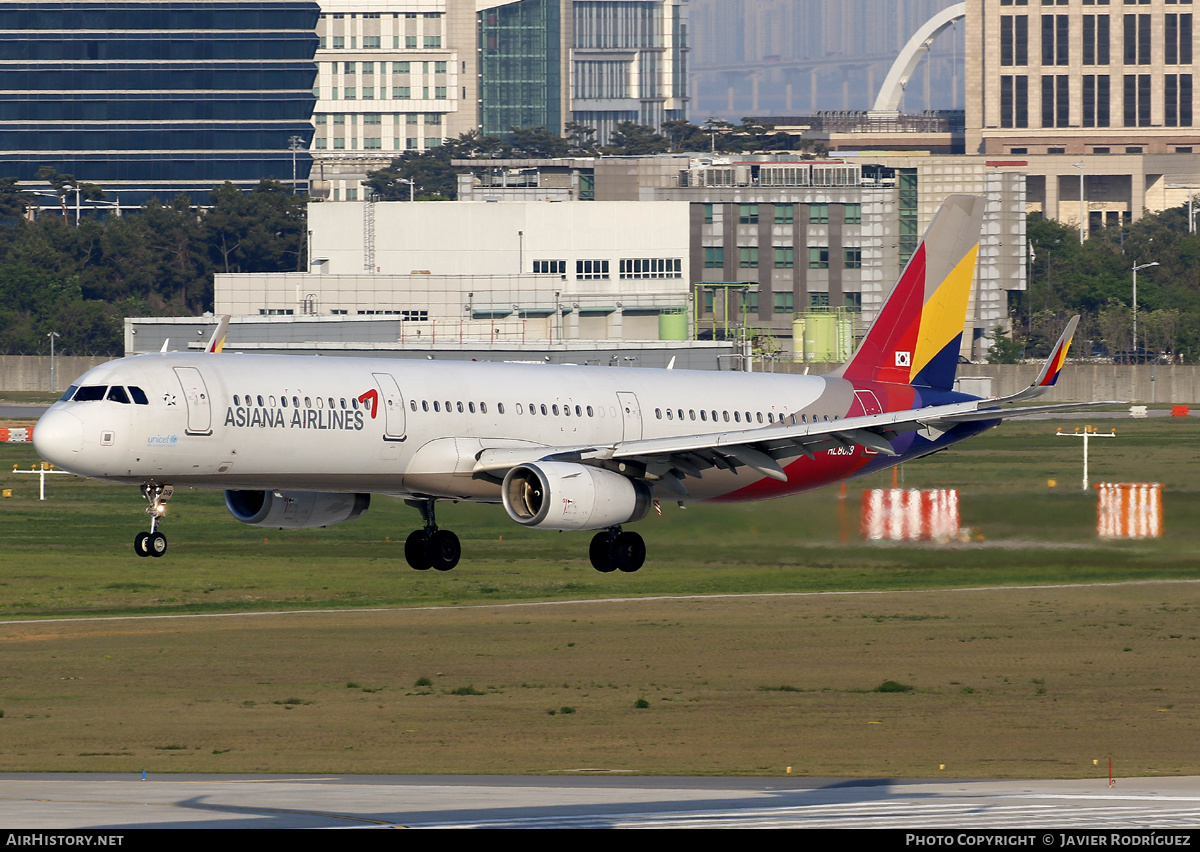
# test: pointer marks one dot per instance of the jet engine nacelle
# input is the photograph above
(295, 510)
(566, 496)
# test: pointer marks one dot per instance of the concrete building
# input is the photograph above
(829, 235)
(1080, 77)
(393, 76)
(511, 272)
(157, 99)
(1092, 98)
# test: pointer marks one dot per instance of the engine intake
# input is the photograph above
(295, 510)
(567, 496)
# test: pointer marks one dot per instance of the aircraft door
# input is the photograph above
(631, 414)
(869, 402)
(392, 403)
(195, 395)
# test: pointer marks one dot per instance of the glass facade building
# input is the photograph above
(520, 66)
(153, 98)
(543, 63)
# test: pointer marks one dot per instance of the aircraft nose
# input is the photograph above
(58, 437)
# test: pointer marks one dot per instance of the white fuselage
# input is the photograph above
(403, 427)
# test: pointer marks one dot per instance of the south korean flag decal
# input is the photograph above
(903, 359)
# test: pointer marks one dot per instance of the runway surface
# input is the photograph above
(50, 802)
(21, 411)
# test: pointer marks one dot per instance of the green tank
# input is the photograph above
(673, 324)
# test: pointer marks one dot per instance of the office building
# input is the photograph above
(1080, 77)
(157, 98)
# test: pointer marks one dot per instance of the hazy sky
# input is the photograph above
(814, 55)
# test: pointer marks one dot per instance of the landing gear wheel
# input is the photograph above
(416, 552)
(598, 552)
(629, 552)
(430, 547)
(444, 550)
(153, 543)
(156, 544)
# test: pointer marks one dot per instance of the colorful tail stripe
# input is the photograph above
(1056, 364)
(916, 337)
(1049, 373)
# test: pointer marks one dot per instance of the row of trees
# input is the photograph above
(81, 278)
(434, 178)
(1096, 281)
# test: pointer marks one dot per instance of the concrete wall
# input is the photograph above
(1142, 384)
(1145, 383)
(32, 372)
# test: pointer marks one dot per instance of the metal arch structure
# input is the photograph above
(912, 53)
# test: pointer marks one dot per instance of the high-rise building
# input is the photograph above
(156, 98)
(1080, 77)
(628, 62)
(405, 75)
(393, 77)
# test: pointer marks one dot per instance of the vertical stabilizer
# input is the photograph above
(916, 337)
(217, 342)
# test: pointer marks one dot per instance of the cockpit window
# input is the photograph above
(91, 393)
(139, 395)
(70, 393)
(117, 394)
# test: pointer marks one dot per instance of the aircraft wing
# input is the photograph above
(762, 448)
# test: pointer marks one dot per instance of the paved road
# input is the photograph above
(50, 802)
(14, 411)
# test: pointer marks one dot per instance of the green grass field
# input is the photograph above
(1033, 682)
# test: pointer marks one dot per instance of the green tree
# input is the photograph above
(432, 177)
(538, 142)
(632, 139)
(1004, 349)
(259, 231)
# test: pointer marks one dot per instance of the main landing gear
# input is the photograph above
(430, 547)
(153, 543)
(614, 550)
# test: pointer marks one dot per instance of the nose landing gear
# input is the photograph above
(430, 547)
(154, 543)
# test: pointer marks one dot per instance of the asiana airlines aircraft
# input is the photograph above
(303, 441)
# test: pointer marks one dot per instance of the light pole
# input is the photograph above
(75, 189)
(53, 377)
(1136, 267)
(411, 185)
(295, 144)
(1082, 209)
(1190, 187)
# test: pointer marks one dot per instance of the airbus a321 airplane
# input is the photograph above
(303, 441)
